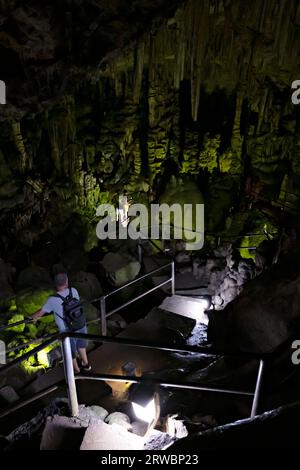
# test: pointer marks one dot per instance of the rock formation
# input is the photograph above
(204, 90)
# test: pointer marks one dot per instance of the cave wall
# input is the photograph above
(203, 93)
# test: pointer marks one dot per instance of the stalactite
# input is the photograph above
(62, 133)
(262, 110)
(138, 73)
(200, 38)
(70, 135)
(237, 139)
(278, 34)
(19, 142)
(180, 58)
(195, 66)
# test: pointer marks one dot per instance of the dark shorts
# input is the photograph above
(78, 343)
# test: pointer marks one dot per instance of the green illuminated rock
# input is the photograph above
(120, 268)
(15, 319)
(29, 303)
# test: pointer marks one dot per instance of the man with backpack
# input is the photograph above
(69, 316)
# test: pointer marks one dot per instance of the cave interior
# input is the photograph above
(188, 103)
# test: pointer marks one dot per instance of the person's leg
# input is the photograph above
(81, 348)
(83, 356)
(74, 353)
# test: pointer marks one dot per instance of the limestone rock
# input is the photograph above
(119, 418)
(87, 284)
(264, 314)
(225, 273)
(175, 427)
(94, 412)
(120, 269)
(34, 277)
(61, 432)
(116, 324)
(8, 394)
(102, 436)
(139, 428)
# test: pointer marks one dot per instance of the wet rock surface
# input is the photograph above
(273, 428)
(265, 314)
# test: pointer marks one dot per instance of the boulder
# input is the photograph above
(61, 432)
(34, 277)
(158, 440)
(139, 428)
(30, 302)
(15, 319)
(94, 412)
(116, 324)
(120, 268)
(119, 418)
(91, 312)
(87, 285)
(225, 273)
(266, 312)
(8, 394)
(101, 436)
(175, 427)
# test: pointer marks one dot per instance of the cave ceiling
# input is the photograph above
(104, 96)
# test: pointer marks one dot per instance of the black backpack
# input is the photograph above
(73, 317)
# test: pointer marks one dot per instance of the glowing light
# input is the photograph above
(196, 308)
(122, 211)
(42, 358)
(145, 413)
(205, 303)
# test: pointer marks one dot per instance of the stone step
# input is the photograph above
(186, 307)
(102, 436)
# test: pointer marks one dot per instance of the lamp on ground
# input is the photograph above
(146, 405)
(145, 413)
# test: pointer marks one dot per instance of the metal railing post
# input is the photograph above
(103, 316)
(257, 388)
(173, 278)
(69, 375)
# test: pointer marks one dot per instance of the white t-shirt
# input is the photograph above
(54, 304)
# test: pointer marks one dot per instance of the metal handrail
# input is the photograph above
(26, 320)
(105, 314)
(140, 278)
(71, 379)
